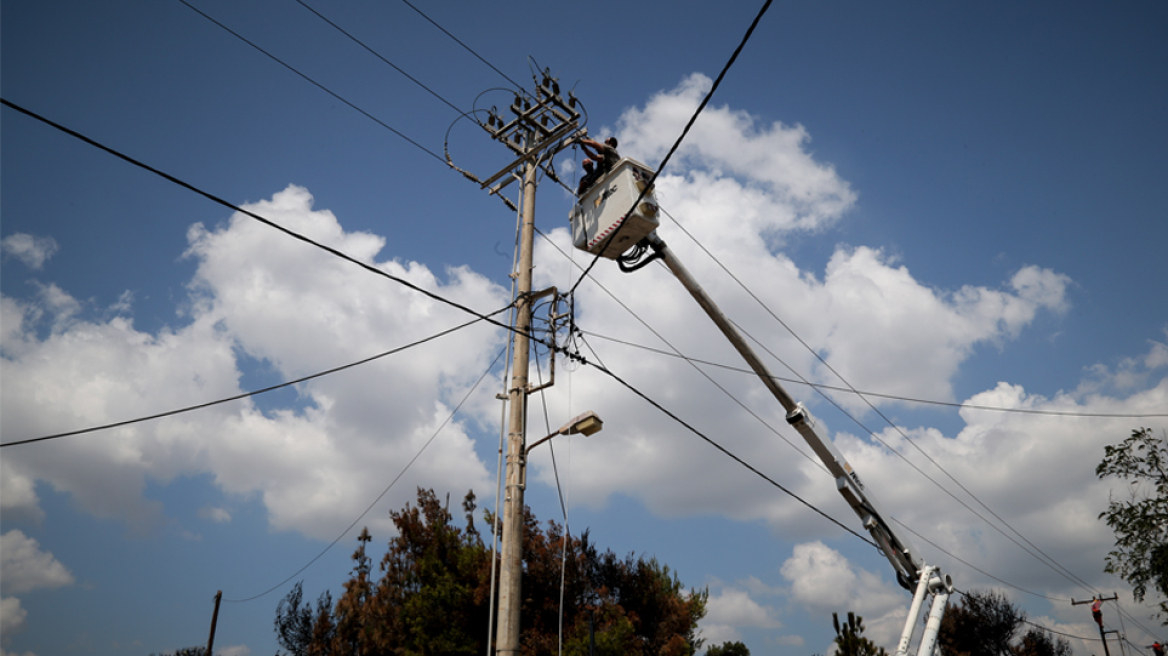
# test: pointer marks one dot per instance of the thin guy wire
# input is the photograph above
(383, 492)
(314, 82)
(661, 167)
(208, 404)
(548, 428)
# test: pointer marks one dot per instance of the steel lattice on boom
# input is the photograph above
(617, 219)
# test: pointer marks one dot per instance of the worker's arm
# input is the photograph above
(592, 148)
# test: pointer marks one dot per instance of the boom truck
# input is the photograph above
(617, 219)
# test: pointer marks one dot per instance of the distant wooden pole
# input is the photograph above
(214, 620)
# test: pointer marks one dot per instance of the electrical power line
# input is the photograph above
(685, 131)
(468, 48)
(891, 397)
(803, 381)
(645, 397)
(268, 222)
(314, 82)
(378, 55)
(383, 492)
(1045, 558)
(677, 353)
(244, 395)
(849, 390)
(1035, 624)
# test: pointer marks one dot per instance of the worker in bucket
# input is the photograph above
(604, 153)
(591, 174)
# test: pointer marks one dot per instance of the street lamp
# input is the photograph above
(585, 424)
(507, 641)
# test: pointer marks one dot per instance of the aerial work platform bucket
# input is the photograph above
(600, 214)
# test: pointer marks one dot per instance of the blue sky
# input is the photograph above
(955, 202)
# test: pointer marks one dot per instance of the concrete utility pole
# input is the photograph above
(542, 124)
(511, 568)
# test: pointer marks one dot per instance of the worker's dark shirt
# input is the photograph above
(610, 158)
(588, 180)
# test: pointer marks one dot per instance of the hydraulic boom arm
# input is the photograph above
(911, 571)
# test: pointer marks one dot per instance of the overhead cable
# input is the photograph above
(677, 353)
(314, 82)
(245, 395)
(685, 131)
(378, 55)
(383, 492)
(645, 397)
(1035, 624)
(468, 48)
(268, 222)
(891, 397)
(1044, 559)
(975, 567)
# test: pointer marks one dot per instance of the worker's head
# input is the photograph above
(588, 164)
(611, 141)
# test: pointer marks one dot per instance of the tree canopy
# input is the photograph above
(850, 640)
(433, 596)
(728, 648)
(987, 624)
(1139, 518)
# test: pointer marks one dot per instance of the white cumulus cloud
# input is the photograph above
(260, 295)
(25, 567)
(34, 251)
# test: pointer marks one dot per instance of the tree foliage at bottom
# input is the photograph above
(850, 640)
(987, 624)
(433, 596)
(728, 649)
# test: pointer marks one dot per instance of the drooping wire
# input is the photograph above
(313, 82)
(1045, 559)
(892, 397)
(560, 494)
(1035, 624)
(244, 395)
(383, 492)
(685, 131)
(645, 397)
(803, 381)
(976, 568)
(698, 369)
(268, 222)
